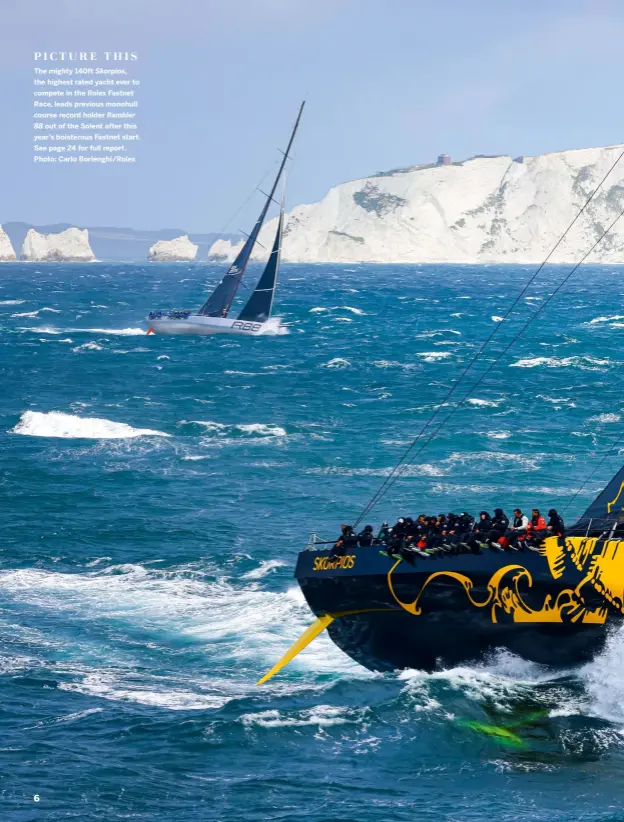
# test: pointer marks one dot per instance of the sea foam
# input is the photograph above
(70, 426)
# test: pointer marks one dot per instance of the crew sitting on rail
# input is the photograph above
(384, 533)
(481, 533)
(366, 537)
(347, 541)
(500, 524)
(429, 536)
(555, 527)
(537, 526)
(518, 529)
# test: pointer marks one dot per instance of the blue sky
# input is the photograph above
(388, 84)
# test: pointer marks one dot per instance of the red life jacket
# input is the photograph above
(540, 525)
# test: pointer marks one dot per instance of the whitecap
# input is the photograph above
(250, 429)
(273, 328)
(90, 346)
(12, 302)
(337, 362)
(500, 457)
(496, 319)
(605, 418)
(597, 320)
(107, 686)
(322, 716)
(71, 426)
(425, 469)
(118, 332)
(44, 329)
(433, 356)
(483, 403)
(248, 626)
(267, 566)
(583, 363)
(350, 308)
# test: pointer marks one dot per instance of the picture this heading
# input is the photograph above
(84, 56)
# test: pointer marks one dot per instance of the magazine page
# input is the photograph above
(311, 428)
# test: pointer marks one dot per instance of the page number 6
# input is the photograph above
(36, 798)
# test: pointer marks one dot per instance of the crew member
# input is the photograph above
(555, 527)
(500, 524)
(518, 529)
(365, 537)
(346, 541)
(536, 530)
(481, 533)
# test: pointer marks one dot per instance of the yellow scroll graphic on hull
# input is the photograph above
(602, 562)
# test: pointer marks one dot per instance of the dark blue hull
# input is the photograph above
(455, 609)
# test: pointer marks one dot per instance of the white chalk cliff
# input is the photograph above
(6, 249)
(222, 250)
(485, 209)
(180, 249)
(71, 245)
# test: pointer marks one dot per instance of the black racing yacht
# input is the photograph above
(553, 606)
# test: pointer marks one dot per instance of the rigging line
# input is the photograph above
(493, 364)
(605, 456)
(243, 205)
(389, 479)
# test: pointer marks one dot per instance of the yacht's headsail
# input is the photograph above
(220, 301)
(608, 507)
(258, 307)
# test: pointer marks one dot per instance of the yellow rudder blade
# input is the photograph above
(317, 627)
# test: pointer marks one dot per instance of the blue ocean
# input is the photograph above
(156, 491)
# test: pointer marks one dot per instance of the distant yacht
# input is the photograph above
(213, 316)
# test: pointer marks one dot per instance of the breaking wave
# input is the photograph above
(244, 628)
(605, 418)
(337, 362)
(319, 309)
(118, 332)
(583, 363)
(44, 329)
(274, 328)
(433, 356)
(267, 566)
(90, 346)
(425, 470)
(483, 403)
(254, 429)
(70, 426)
(320, 716)
(597, 320)
(350, 308)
